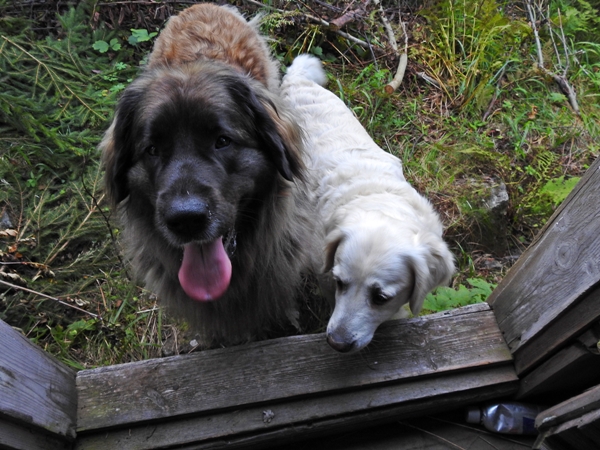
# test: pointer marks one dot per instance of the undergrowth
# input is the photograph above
(482, 132)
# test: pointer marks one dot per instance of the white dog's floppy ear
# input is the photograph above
(433, 267)
(332, 242)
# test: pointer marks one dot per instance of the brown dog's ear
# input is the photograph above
(118, 144)
(331, 245)
(280, 136)
(433, 267)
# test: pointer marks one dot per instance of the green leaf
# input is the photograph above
(558, 188)
(114, 44)
(444, 298)
(100, 46)
(140, 35)
(557, 97)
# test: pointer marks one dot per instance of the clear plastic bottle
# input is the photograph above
(506, 417)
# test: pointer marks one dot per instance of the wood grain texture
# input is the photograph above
(571, 323)
(283, 369)
(566, 411)
(18, 437)
(573, 424)
(35, 388)
(556, 270)
(289, 420)
(570, 371)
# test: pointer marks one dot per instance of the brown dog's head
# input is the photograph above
(197, 149)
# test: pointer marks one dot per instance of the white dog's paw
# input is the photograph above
(310, 67)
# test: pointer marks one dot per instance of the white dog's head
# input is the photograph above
(377, 268)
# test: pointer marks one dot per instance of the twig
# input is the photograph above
(397, 80)
(564, 43)
(346, 18)
(429, 80)
(561, 80)
(440, 438)
(490, 107)
(538, 45)
(315, 19)
(565, 87)
(14, 286)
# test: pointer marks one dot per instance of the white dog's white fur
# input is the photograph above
(382, 241)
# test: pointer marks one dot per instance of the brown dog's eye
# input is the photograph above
(222, 142)
(151, 150)
(379, 298)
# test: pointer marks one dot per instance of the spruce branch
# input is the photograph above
(53, 76)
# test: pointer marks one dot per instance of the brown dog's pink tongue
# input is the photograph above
(205, 272)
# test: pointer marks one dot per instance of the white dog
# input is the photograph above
(382, 241)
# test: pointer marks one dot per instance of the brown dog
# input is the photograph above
(200, 160)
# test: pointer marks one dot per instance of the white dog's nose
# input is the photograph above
(339, 344)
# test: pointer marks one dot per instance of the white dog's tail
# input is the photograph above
(310, 67)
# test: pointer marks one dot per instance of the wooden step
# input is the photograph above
(283, 389)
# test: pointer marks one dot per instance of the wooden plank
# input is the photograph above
(18, 437)
(570, 409)
(35, 388)
(582, 432)
(301, 418)
(572, 322)
(573, 423)
(570, 371)
(439, 432)
(571, 439)
(283, 369)
(556, 270)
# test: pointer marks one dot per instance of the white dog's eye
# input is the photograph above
(341, 286)
(222, 142)
(379, 298)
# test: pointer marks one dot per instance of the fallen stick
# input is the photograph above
(345, 19)
(318, 20)
(397, 80)
(561, 80)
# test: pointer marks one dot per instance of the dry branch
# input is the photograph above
(346, 18)
(488, 112)
(318, 20)
(560, 80)
(41, 294)
(397, 80)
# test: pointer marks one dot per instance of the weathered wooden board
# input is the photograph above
(35, 388)
(286, 369)
(571, 323)
(574, 423)
(568, 410)
(556, 270)
(17, 437)
(565, 374)
(279, 422)
(434, 432)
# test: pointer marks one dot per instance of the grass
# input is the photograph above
(489, 119)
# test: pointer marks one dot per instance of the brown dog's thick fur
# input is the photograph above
(202, 154)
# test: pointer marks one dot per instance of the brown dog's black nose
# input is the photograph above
(187, 217)
(339, 344)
